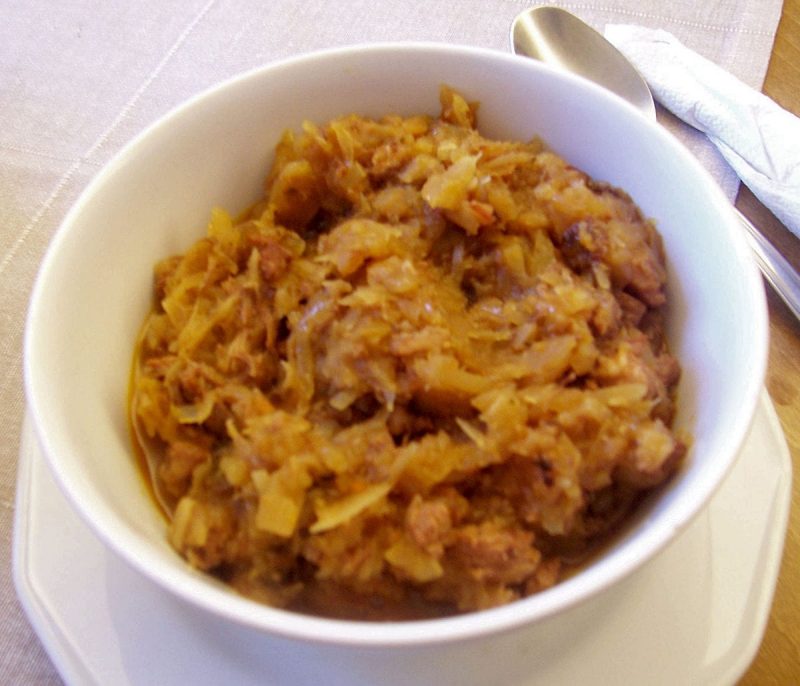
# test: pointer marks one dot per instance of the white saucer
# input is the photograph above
(694, 614)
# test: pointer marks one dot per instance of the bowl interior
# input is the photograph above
(154, 200)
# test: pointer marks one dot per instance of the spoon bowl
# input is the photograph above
(552, 35)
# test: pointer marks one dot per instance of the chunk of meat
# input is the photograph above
(495, 554)
(632, 252)
(428, 522)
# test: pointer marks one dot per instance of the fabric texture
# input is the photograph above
(79, 79)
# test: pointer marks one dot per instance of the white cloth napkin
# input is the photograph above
(757, 137)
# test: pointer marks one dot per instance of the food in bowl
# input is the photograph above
(426, 374)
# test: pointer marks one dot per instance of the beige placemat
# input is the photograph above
(80, 79)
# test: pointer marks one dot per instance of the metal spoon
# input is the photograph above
(553, 35)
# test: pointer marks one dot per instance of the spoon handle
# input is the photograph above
(775, 267)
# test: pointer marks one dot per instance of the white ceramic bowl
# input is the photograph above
(153, 199)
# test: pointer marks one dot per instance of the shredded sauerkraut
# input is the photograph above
(421, 375)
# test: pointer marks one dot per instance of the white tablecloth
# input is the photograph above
(79, 79)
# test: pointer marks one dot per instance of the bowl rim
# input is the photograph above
(197, 590)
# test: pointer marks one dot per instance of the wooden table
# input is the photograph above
(778, 660)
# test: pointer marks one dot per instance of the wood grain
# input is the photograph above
(778, 659)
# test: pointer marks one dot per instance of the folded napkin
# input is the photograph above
(757, 137)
